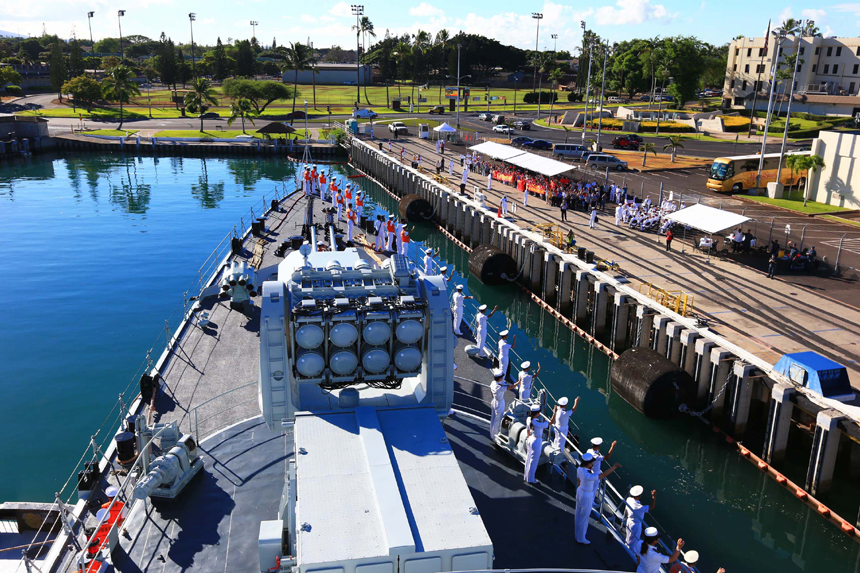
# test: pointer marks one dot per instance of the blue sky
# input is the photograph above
(328, 22)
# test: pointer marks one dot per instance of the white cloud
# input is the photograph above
(632, 12)
(853, 8)
(783, 16)
(209, 21)
(519, 29)
(307, 18)
(340, 9)
(425, 10)
(702, 5)
(812, 14)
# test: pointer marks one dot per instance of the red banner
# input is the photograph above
(499, 176)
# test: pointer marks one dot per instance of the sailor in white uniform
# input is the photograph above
(505, 348)
(535, 426)
(525, 379)
(490, 181)
(498, 387)
(481, 328)
(593, 221)
(560, 417)
(634, 515)
(459, 301)
(429, 264)
(595, 451)
(379, 227)
(398, 237)
(587, 484)
(649, 557)
(504, 205)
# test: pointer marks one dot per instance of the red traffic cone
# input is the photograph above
(499, 214)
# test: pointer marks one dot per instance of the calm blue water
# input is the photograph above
(101, 249)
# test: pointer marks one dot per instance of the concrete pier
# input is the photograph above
(778, 423)
(702, 376)
(721, 367)
(822, 460)
(741, 397)
(620, 322)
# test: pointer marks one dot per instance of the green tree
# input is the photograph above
(109, 62)
(810, 163)
(674, 144)
(119, 86)
(245, 59)
(58, 68)
(420, 45)
(241, 109)
(76, 59)
(82, 89)
(365, 28)
(219, 64)
(29, 49)
(107, 46)
(298, 59)
(259, 93)
(795, 163)
(166, 62)
(554, 78)
(183, 70)
(683, 58)
(9, 76)
(200, 98)
(647, 147)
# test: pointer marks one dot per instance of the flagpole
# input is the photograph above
(758, 77)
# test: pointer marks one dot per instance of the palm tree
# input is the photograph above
(810, 163)
(420, 45)
(646, 147)
(795, 163)
(554, 78)
(299, 59)
(791, 26)
(119, 86)
(650, 47)
(200, 98)
(442, 38)
(241, 109)
(674, 144)
(403, 52)
(364, 28)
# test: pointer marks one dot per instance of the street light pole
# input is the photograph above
(588, 80)
(90, 24)
(458, 84)
(665, 74)
(254, 25)
(119, 15)
(806, 26)
(780, 34)
(191, 17)
(537, 16)
(358, 10)
(602, 90)
(555, 43)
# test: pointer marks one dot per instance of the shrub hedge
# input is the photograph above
(14, 90)
(645, 126)
(545, 97)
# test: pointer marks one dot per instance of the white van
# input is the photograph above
(601, 161)
(616, 99)
(571, 150)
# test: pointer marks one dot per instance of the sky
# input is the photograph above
(328, 22)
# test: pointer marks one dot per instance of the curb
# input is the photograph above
(745, 199)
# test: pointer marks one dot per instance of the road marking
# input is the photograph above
(827, 330)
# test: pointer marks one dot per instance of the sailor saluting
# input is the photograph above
(535, 426)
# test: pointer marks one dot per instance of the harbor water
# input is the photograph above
(102, 248)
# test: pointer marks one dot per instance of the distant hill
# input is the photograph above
(5, 34)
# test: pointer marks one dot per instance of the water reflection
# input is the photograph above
(209, 195)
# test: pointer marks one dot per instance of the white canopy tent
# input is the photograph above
(540, 164)
(445, 128)
(707, 219)
(496, 150)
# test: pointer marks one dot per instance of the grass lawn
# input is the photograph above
(227, 134)
(795, 203)
(124, 132)
(853, 222)
(131, 112)
(414, 121)
(614, 132)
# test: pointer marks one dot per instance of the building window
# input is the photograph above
(759, 85)
(746, 68)
(761, 52)
(829, 51)
(817, 51)
(798, 67)
(735, 68)
(814, 66)
(826, 68)
(744, 85)
(749, 52)
(802, 49)
(838, 51)
(835, 69)
(759, 68)
(732, 85)
(858, 51)
(856, 69)
(851, 88)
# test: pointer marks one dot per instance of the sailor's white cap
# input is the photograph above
(691, 557)
(112, 491)
(497, 373)
(391, 216)
(526, 365)
(636, 491)
(562, 401)
(652, 532)
(596, 441)
(587, 457)
(535, 408)
(504, 333)
(315, 164)
(482, 308)
(443, 270)
(426, 251)
(459, 287)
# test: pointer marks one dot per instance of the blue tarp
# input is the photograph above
(813, 371)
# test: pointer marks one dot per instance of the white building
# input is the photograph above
(839, 182)
(828, 75)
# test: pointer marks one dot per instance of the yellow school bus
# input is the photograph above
(738, 173)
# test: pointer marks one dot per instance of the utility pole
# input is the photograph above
(458, 84)
(758, 79)
(806, 26)
(602, 90)
(665, 73)
(555, 43)
(780, 34)
(254, 25)
(90, 24)
(358, 10)
(588, 80)
(191, 17)
(119, 15)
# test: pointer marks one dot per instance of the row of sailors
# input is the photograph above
(643, 217)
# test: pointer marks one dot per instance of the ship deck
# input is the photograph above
(213, 525)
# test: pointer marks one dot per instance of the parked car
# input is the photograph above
(524, 125)
(364, 114)
(645, 97)
(633, 137)
(624, 142)
(497, 119)
(601, 161)
(350, 83)
(485, 116)
(520, 140)
(571, 150)
(538, 144)
(616, 99)
(503, 128)
(437, 109)
(296, 115)
(665, 98)
(396, 127)
(210, 115)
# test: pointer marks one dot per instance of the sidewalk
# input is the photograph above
(768, 318)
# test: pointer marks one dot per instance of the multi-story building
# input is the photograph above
(828, 74)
